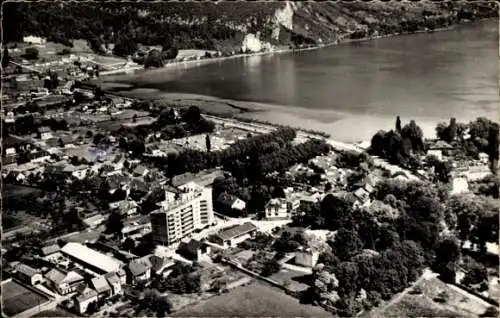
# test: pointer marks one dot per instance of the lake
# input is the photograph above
(353, 89)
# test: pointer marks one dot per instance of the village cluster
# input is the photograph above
(96, 215)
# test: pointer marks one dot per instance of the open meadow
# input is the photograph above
(253, 300)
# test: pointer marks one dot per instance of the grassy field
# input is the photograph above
(57, 312)
(16, 298)
(423, 305)
(253, 300)
(294, 278)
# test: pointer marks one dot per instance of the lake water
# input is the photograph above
(351, 90)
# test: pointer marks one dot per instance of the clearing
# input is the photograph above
(457, 303)
(253, 300)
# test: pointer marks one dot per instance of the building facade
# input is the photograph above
(277, 208)
(187, 210)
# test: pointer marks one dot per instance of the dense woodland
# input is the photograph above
(406, 230)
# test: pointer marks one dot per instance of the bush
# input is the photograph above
(31, 53)
(490, 312)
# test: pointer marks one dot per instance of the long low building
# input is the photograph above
(91, 259)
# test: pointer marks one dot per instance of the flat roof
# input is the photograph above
(92, 257)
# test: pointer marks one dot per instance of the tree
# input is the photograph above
(398, 125)
(347, 276)
(92, 308)
(128, 245)
(442, 131)
(31, 53)
(452, 130)
(192, 115)
(346, 244)
(125, 46)
(493, 147)
(170, 53)
(154, 59)
(447, 256)
(415, 134)
(270, 267)
(114, 224)
(476, 274)
(208, 143)
(5, 57)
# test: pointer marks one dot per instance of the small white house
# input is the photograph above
(306, 258)
(44, 133)
(30, 39)
(483, 158)
(78, 172)
(460, 184)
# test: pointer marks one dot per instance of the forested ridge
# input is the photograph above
(223, 25)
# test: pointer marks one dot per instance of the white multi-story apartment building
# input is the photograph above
(182, 213)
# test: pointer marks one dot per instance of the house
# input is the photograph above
(306, 257)
(101, 286)
(140, 270)
(95, 220)
(277, 208)
(193, 250)
(160, 264)
(230, 237)
(44, 133)
(28, 274)
(31, 39)
(115, 283)
(108, 170)
(436, 153)
(51, 253)
(362, 197)
(460, 184)
(78, 172)
(64, 282)
(438, 147)
(84, 299)
(140, 171)
(307, 200)
(10, 156)
(229, 204)
(125, 207)
(484, 158)
(66, 140)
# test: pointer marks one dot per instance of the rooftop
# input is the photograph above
(92, 257)
(86, 294)
(236, 231)
(58, 276)
(100, 284)
(140, 266)
(26, 270)
(50, 249)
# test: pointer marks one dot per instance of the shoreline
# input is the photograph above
(338, 124)
(344, 39)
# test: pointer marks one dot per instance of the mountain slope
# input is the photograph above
(224, 25)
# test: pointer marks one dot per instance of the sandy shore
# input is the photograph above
(345, 127)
